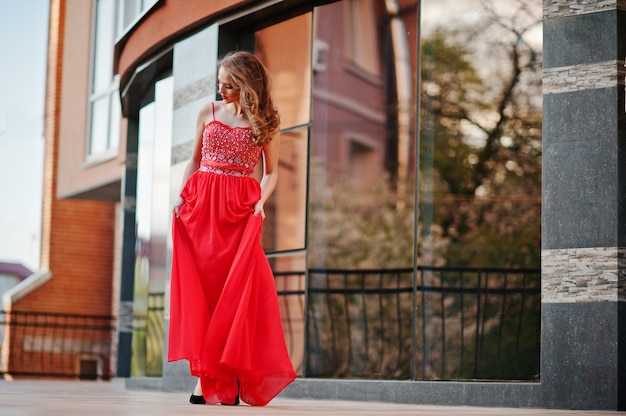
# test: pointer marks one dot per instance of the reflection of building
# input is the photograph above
(123, 91)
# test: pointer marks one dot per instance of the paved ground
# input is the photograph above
(74, 398)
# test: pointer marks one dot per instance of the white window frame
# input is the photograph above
(108, 143)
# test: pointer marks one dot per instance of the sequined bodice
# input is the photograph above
(228, 150)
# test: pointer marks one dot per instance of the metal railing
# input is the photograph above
(441, 323)
(56, 345)
(149, 337)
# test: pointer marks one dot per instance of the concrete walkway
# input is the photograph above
(94, 398)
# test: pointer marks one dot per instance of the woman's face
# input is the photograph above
(227, 90)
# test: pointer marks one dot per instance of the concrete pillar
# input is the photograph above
(583, 361)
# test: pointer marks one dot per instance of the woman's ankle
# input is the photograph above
(198, 389)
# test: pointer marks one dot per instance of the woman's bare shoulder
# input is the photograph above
(205, 112)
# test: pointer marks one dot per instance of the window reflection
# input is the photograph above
(361, 218)
(360, 196)
(104, 134)
(290, 278)
(480, 189)
(291, 72)
(481, 132)
(152, 215)
(285, 225)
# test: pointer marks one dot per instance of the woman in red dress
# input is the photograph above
(224, 316)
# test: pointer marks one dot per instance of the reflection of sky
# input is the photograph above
(144, 171)
(23, 42)
(471, 24)
(454, 13)
(153, 166)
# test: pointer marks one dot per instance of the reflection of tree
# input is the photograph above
(360, 320)
(485, 128)
(479, 206)
(360, 226)
(481, 183)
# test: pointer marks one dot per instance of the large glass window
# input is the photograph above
(361, 198)
(152, 230)
(285, 228)
(404, 233)
(480, 189)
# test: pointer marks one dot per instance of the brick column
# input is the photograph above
(583, 361)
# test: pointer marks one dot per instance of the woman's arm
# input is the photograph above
(196, 155)
(270, 173)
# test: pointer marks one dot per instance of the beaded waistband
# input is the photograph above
(221, 171)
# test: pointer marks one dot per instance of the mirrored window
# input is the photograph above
(361, 196)
(285, 225)
(480, 189)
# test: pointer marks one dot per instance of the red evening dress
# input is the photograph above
(224, 315)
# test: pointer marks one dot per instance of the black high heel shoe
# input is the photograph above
(232, 404)
(196, 399)
(236, 398)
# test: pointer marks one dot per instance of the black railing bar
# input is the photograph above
(461, 301)
(66, 333)
(60, 327)
(422, 307)
(477, 335)
(399, 316)
(409, 270)
(381, 318)
(287, 274)
(56, 314)
(57, 325)
(34, 342)
(289, 326)
(449, 290)
(332, 321)
(502, 313)
(305, 325)
(443, 325)
(346, 305)
(482, 324)
(316, 331)
(365, 323)
(296, 292)
(519, 321)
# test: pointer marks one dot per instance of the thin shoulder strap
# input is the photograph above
(213, 108)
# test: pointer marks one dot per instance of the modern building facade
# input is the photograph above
(420, 254)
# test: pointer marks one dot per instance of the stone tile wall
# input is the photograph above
(583, 77)
(557, 8)
(583, 274)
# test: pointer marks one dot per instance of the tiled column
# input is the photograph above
(583, 356)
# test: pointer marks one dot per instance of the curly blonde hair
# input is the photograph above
(253, 81)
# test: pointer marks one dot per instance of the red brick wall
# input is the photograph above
(80, 259)
(77, 235)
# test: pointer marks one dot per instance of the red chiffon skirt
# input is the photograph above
(224, 316)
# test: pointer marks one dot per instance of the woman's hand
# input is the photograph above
(179, 203)
(258, 209)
